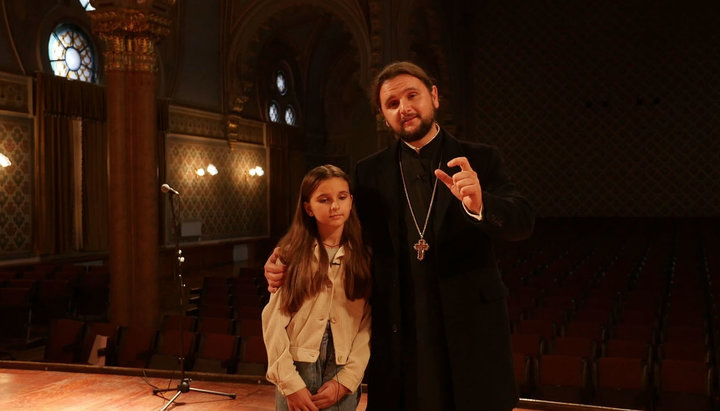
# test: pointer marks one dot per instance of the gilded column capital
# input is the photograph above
(130, 36)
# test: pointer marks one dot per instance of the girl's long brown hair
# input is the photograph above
(303, 276)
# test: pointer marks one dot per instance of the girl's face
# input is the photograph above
(330, 204)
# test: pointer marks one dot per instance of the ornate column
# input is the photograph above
(130, 30)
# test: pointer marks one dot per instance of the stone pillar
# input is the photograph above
(130, 35)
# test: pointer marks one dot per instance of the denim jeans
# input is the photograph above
(315, 374)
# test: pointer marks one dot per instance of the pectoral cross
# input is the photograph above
(421, 246)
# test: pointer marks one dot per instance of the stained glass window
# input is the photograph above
(280, 82)
(282, 106)
(290, 115)
(71, 54)
(86, 5)
(274, 112)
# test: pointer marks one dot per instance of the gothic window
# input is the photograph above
(280, 83)
(290, 115)
(282, 103)
(86, 5)
(71, 54)
(274, 112)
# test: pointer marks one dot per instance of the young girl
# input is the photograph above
(317, 326)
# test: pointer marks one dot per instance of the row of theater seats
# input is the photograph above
(622, 382)
(617, 312)
(241, 296)
(205, 350)
(33, 296)
(221, 332)
(623, 379)
(30, 297)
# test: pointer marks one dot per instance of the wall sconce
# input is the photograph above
(4, 161)
(257, 171)
(210, 169)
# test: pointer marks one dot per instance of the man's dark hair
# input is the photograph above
(393, 70)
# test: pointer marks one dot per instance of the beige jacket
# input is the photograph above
(297, 337)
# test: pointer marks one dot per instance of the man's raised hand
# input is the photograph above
(464, 184)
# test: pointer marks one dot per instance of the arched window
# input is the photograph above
(280, 83)
(71, 54)
(86, 5)
(274, 112)
(281, 105)
(290, 115)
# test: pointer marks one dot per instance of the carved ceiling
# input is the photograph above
(317, 33)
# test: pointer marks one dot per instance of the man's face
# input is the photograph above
(409, 107)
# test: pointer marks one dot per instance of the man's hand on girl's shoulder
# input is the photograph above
(274, 271)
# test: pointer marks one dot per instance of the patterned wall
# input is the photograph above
(16, 136)
(14, 93)
(602, 108)
(16, 181)
(230, 204)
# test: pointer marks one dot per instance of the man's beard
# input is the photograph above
(422, 130)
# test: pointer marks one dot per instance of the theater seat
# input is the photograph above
(527, 344)
(135, 344)
(574, 346)
(562, 378)
(15, 313)
(216, 353)
(684, 350)
(627, 349)
(168, 350)
(65, 341)
(622, 383)
(216, 325)
(683, 385)
(253, 357)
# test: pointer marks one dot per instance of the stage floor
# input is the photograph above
(55, 390)
(38, 389)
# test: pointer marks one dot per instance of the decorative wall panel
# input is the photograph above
(16, 137)
(602, 109)
(193, 122)
(231, 204)
(15, 93)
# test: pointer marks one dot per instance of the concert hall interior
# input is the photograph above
(151, 153)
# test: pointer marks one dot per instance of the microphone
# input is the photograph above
(165, 188)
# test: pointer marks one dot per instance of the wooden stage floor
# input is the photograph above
(41, 387)
(57, 390)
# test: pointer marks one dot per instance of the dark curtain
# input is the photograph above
(95, 186)
(58, 103)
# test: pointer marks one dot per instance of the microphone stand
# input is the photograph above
(184, 385)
